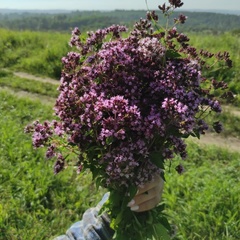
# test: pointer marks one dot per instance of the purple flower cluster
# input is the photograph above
(123, 98)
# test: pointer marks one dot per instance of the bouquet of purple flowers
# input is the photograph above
(127, 101)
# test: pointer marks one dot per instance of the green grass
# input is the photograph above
(34, 52)
(35, 203)
(203, 203)
(222, 42)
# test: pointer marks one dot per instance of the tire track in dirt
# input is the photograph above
(230, 143)
(34, 96)
(233, 110)
(35, 78)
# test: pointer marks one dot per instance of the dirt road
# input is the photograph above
(35, 78)
(44, 99)
(229, 143)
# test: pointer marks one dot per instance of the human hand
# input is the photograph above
(148, 196)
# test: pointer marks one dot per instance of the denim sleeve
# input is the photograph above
(91, 227)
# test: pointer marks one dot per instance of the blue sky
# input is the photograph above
(113, 4)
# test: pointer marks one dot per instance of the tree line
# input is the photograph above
(92, 20)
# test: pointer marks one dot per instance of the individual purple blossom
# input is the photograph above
(58, 128)
(181, 19)
(152, 16)
(50, 153)
(179, 146)
(176, 3)
(215, 106)
(150, 48)
(167, 153)
(202, 126)
(218, 127)
(41, 134)
(76, 31)
(182, 38)
(59, 164)
(80, 168)
(180, 169)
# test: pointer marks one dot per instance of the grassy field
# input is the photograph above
(203, 203)
(40, 53)
(34, 52)
(35, 204)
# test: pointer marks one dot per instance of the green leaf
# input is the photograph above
(159, 208)
(118, 218)
(109, 140)
(172, 54)
(195, 133)
(165, 223)
(138, 224)
(160, 232)
(132, 191)
(115, 198)
(98, 182)
(157, 159)
(150, 218)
